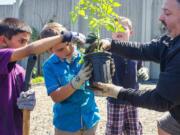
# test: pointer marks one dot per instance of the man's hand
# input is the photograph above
(83, 75)
(26, 100)
(143, 74)
(105, 44)
(106, 90)
(93, 43)
(74, 37)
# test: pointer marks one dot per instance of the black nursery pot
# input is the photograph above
(101, 66)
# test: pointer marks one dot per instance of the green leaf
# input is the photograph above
(82, 12)
(119, 28)
(122, 29)
(110, 27)
(94, 25)
(116, 4)
(92, 22)
(81, 2)
(109, 11)
(95, 0)
(81, 61)
(73, 17)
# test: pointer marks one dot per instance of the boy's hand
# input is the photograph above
(143, 74)
(74, 37)
(106, 89)
(83, 75)
(26, 100)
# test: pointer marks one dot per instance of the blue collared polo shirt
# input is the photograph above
(77, 111)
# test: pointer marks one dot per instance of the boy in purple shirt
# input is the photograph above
(13, 41)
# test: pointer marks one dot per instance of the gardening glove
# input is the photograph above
(74, 37)
(106, 89)
(105, 44)
(90, 48)
(83, 75)
(26, 100)
(143, 74)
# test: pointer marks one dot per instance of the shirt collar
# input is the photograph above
(56, 59)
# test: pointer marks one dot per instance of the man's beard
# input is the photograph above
(163, 28)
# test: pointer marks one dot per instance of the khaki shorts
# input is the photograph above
(91, 131)
(169, 124)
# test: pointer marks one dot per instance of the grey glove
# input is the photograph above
(105, 44)
(74, 37)
(83, 75)
(106, 90)
(102, 45)
(78, 38)
(26, 100)
(143, 74)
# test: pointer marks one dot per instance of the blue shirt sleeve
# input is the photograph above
(51, 81)
(5, 55)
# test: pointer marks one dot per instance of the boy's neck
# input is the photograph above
(74, 55)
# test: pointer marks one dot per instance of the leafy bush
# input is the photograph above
(99, 14)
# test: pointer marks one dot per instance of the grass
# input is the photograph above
(38, 79)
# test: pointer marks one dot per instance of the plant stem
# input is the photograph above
(98, 37)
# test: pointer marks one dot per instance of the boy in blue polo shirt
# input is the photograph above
(75, 110)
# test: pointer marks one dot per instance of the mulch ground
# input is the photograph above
(41, 117)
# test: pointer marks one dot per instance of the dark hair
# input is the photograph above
(3, 29)
(52, 29)
(178, 1)
(13, 26)
(47, 33)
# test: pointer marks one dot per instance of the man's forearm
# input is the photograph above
(146, 99)
(138, 51)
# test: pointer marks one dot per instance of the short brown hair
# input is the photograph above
(3, 29)
(52, 29)
(14, 26)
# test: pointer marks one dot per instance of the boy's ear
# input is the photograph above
(132, 32)
(1, 39)
(50, 50)
(2, 42)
